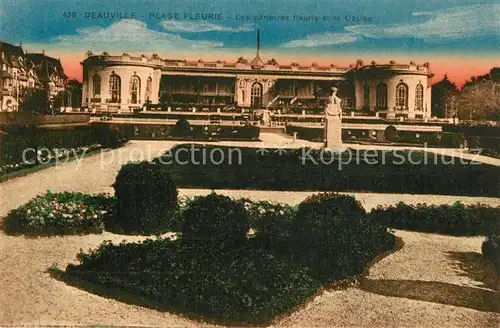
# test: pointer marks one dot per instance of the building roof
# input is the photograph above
(11, 54)
(257, 61)
(46, 67)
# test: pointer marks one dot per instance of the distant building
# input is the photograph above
(49, 72)
(21, 72)
(124, 83)
(16, 76)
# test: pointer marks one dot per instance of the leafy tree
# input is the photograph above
(479, 99)
(74, 94)
(443, 97)
(36, 101)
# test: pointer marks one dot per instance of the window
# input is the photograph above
(256, 99)
(114, 88)
(149, 87)
(402, 96)
(135, 89)
(419, 97)
(96, 86)
(381, 95)
(366, 95)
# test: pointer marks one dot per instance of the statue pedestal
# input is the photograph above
(333, 133)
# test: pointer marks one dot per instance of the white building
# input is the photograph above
(123, 83)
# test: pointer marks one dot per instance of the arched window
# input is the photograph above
(96, 86)
(366, 95)
(135, 89)
(402, 96)
(149, 86)
(256, 99)
(419, 97)
(381, 95)
(114, 88)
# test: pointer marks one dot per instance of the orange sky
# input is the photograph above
(458, 68)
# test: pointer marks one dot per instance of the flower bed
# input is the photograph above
(59, 214)
(215, 268)
(457, 219)
(54, 155)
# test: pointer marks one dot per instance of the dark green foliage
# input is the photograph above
(213, 269)
(146, 198)
(333, 236)
(59, 214)
(391, 133)
(14, 142)
(108, 135)
(182, 128)
(215, 223)
(293, 169)
(271, 224)
(249, 286)
(457, 219)
(491, 250)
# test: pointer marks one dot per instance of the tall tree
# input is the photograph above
(443, 98)
(479, 98)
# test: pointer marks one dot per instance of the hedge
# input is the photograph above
(457, 219)
(390, 134)
(293, 169)
(59, 214)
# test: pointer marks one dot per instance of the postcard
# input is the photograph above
(264, 163)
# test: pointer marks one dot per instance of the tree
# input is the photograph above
(35, 100)
(443, 97)
(479, 99)
(74, 94)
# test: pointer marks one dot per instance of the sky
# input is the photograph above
(459, 38)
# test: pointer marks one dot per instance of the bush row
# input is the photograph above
(15, 141)
(391, 134)
(184, 130)
(456, 219)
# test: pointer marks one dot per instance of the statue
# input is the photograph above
(333, 105)
(333, 122)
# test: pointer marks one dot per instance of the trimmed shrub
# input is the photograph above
(182, 128)
(334, 238)
(215, 223)
(251, 286)
(491, 250)
(59, 214)
(457, 219)
(391, 133)
(146, 198)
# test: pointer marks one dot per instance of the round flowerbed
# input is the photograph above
(59, 214)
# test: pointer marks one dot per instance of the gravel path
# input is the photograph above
(433, 281)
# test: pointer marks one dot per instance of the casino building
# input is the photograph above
(126, 84)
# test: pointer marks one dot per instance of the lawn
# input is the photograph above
(220, 167)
